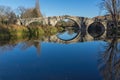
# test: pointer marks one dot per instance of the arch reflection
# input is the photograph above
(68, 35)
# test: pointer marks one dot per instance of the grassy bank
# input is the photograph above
(32, 31)
(13, 30)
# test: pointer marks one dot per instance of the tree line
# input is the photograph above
(9, 16)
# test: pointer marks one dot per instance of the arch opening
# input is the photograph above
(67, 37)
(96, 29)
(67, 22)
(70, 29)
(35, 23)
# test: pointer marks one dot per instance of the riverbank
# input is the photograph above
(32, 31)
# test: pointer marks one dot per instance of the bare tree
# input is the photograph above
(28, 12)
(12, 18)
(113, 8)
(5, 13)
(21, 10)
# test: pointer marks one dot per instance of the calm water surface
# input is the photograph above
(47, 60)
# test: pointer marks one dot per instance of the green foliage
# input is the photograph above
(13, 30)
(35, 31)
(49, 30)
(32, 31)
(34, 24)
(40, 31)
(54, 30)
(60, 29)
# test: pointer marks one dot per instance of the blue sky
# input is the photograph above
(86, 8)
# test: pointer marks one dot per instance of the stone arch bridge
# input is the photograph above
(53, 20)
(83, 22)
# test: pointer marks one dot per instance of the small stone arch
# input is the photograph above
(32, 21)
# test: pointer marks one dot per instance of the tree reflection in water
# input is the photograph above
(109, 62)
(27, 44)
(24, 44)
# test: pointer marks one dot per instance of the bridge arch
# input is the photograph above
(27, 24)
(32, 20)
(96, 29)
(74, 19)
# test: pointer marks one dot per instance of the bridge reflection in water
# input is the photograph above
(81, 35)
(109, 55)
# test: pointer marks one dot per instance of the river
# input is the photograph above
(58, 59)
